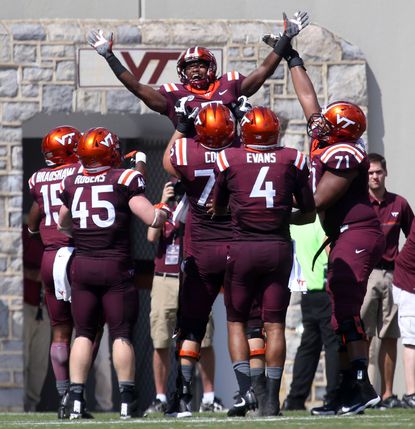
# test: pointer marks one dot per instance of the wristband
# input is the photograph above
(32, 232)
(283, 45)
(182, 127)
(140, 157)
(115, 65)
(293, 59)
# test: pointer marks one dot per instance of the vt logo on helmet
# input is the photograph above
(59, 145)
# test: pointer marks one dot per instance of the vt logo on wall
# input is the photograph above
(149, 66)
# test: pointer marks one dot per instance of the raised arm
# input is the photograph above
(102, 42)
(256, 78)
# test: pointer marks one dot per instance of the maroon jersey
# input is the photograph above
(196, 164)
(225, 90)
(354, 206)
(100, 212)
(170, 235)
(32, 259)
(45, 187)
(395, 214)
(404, 274)
(260, 188)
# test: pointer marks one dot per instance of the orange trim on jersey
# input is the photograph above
(249, 149)
(233, 75)
(300, 161)
(221, 162)
(207, 93)
(169, 87)
(181, 148)
(390, 223)
(332, 150)
(127, 175)
(90, 173)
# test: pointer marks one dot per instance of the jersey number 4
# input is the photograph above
(264, 189)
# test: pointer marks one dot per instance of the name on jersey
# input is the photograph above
(89, 179)
(50, 176)
(210, 157)
(253, 157)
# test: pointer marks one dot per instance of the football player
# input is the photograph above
(98, 203)
(339, 179)
(58, 148)
(192, 161)
(259, 183)
(197, 68)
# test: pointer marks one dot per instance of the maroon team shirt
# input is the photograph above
(395, 214)
(32, 259)
(45, 188)
(404, 274)
(260, 187)
(100, 212)
(225, 90)
(169, 235)
(195, 165)
(354, 206)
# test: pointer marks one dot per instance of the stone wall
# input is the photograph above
(38, 74)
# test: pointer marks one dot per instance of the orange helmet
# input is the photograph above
(59, 145)
(260, 128)
(194, 54)
(215, 126)
(98, 148)
(339, 121)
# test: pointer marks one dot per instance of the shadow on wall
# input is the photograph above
(376, 129)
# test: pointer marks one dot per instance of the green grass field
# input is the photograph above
(398, 418)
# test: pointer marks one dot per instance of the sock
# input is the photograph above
(274, 372)
(208, 397)
(186, 372)
(359, 369)
(257, 371)
(59, 356)
(76, 391)
(127, 391)
(161, 397)
(243, 375)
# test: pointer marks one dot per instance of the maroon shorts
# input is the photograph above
(258, 271)
(351, 260)
(59, 310)
(103, 288)
(203, 276)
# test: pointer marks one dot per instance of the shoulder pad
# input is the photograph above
(127, 176)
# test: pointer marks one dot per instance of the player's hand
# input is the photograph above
(240, 107)
(293, 26)
(101, 41)
(135, 156)
(185, 115)
(168, 192)
(271, 39)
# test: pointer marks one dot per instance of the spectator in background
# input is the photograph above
(164, 305)
(379, 313)
(316, 314)
(36, 327)
(404, 297)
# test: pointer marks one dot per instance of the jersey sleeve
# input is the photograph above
(407, 218)
(169, 91)
(179, 155)
(303, 193)
(220, 190)
(235, 79)
(63, 194)
(133, 182)
(343, 157)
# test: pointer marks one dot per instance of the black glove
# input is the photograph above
(287, 51)
(240, 107)
(185, 116)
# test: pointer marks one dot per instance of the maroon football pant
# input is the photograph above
(59, 310)
(258, 271)
(351, 260)
(103, 288)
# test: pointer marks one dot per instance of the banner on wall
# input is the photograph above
(150, 66)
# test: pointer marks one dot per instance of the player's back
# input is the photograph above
(261, 187)
(195, 164)
(45, 187)
(354, 205)
(100, 210)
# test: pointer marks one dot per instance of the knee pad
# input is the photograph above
(188, 353)
(257, 352)
(254, 333)
(352, 330)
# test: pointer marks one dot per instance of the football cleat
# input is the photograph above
(361, 396)
(243, 404)
(156, 406)
(213, 407)
(179, 406)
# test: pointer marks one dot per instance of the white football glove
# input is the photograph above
(298, 22)
(101, 41)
